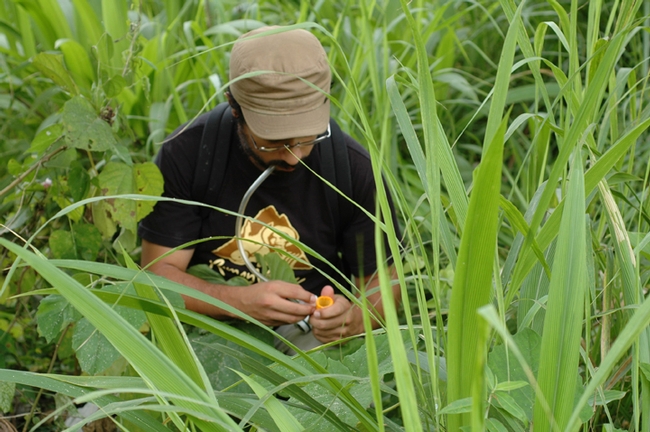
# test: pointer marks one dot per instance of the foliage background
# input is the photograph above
(510, 134)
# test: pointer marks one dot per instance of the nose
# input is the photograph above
(293, 155)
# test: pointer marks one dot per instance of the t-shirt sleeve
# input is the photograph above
(358, 249)
(172, 223)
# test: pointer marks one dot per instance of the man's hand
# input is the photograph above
(271, 302)
(340, 320)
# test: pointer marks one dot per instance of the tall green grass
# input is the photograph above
(513, 139)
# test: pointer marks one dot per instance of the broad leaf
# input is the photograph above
(148, 181)
(7, 392)
(46, 137)
(94, 352)
(119, 179)
(87, 241)
(78, 181)
(61, 245)
(84, 129)
(54, 314)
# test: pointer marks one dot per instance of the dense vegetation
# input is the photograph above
(513, 136)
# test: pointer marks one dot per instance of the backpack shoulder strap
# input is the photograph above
(213, 155)
(335, 166)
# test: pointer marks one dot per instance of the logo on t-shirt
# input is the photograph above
(260, 239)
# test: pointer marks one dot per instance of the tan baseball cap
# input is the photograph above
(278, 104)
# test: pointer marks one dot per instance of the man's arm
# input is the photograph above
(267, 302)
(343, 318)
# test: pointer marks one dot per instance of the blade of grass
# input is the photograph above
(281, 415)
(171, 337)
(75, 390)
(560, 347)
(472, 287)
(148, 361)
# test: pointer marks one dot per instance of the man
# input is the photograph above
(281, 118)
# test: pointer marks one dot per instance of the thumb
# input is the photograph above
(327, 291)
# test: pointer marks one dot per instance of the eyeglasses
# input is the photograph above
(268, 149)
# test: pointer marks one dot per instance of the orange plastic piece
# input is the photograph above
(323, 302)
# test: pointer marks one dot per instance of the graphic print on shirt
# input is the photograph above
(260, 239)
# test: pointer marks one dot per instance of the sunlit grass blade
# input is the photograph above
(472, 287)
(170, 337)
(560, 347)
(632, 294)
(281, 415)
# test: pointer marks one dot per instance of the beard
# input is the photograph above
(261, 163)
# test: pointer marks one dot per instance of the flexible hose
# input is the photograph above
(302, 325)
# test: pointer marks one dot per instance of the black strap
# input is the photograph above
(213, 156)
(335, 167)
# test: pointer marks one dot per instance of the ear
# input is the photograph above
(235, 113)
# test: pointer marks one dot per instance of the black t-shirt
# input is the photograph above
(292, 202)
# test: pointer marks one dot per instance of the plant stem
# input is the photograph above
(29, 171)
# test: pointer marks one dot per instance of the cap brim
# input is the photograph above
(278, 127)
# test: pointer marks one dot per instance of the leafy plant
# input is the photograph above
(512, 137)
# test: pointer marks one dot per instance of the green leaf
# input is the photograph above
(560, 346)
(78, 181)
(509, 404)
(206, 273)
(117, 179)
(66, 385)
(510, 385)
(169, 334)
(494, 425)
(607, 397)
(77, 61)
(148, 181)
(62, 245)
(54, 314)
(459, 406)
(104, 49)
(14, 167)
(84, 129)
(51, 65)
(276, 268)
(46, 137)
(114, 86)
(7, 392)
(645, 370)
(507, 369)
(102, 219)
(281, 415)
(87, 240)
(219, 366)
(94, 352)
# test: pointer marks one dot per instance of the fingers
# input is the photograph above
(276, 303)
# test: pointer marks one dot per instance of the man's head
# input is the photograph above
(289, 100)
